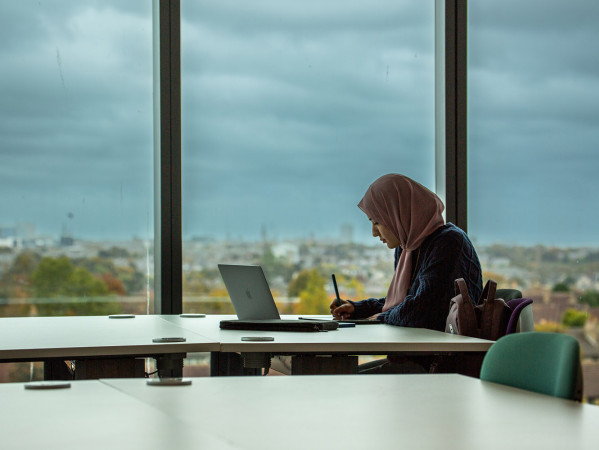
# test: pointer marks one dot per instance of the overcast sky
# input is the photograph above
(290, 111)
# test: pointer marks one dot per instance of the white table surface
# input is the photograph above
(34, 338)
(88, 336)
(91, 415)
(374, 339)
(372, 411)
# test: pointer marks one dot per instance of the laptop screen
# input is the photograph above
(249, 292)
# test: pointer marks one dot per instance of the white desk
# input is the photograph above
(85, 337)
(31, 338)
(361, 339)
(372, 339)
(80, 338)
(90, 415)
(372, 411)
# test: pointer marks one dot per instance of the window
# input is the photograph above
(533, 111)
(289, 112)
(76, 159)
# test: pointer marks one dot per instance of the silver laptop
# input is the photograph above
(249, 292)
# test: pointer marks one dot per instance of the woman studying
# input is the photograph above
(429, 256)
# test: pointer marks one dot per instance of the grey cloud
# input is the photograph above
(76, 128)
(308, 17)
(290, 110)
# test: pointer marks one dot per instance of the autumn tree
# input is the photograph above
(56, 279)
(591, 298)
(309, 286)
(16, 280)
(574, 318)
(113, 284)
(299, 283)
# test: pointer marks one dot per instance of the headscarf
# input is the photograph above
(411, 212)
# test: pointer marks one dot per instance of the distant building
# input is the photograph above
(347, 233)
(8, 242)
(287, 250)
(16, 236)
(66, 241)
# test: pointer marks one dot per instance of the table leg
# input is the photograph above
(324, 365)
(224, 364)
(170, 365)
(57, 369)
(94, 368)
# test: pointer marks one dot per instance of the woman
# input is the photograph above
(429, 256)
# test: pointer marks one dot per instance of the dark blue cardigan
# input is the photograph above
(445, 255)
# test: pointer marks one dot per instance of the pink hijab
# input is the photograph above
(411, 212)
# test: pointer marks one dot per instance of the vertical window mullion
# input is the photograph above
(168, 293)
(456, 112)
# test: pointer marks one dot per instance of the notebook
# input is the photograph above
(254, 305)
(354, 321)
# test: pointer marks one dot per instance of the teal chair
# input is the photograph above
(547, 363)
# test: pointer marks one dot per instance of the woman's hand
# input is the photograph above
(344, 311)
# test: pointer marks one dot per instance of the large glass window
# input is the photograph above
(290, 110)
(76, 157)
(533, 160)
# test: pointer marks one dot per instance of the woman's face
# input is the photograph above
(384, 234)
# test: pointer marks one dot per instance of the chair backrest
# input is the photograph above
(547, 363)
(526, 322)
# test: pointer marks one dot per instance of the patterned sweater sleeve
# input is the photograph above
(427, 303)
(367, 308)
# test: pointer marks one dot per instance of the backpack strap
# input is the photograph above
(493, 313)
(488, 292)
(462, 289)
(467, 317)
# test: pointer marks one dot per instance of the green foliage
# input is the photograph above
(96, 266)
(68, 290)
(309, 286)
(59, 277)
(299, 283)
(350, 287)
(591, 298)
(50, 276)
(133, 280)
(574, 318)
(81, 283)
(62, 286)
(561, 287)
(25, 263)
(15, 281)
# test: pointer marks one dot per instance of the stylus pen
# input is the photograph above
(336, 290)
